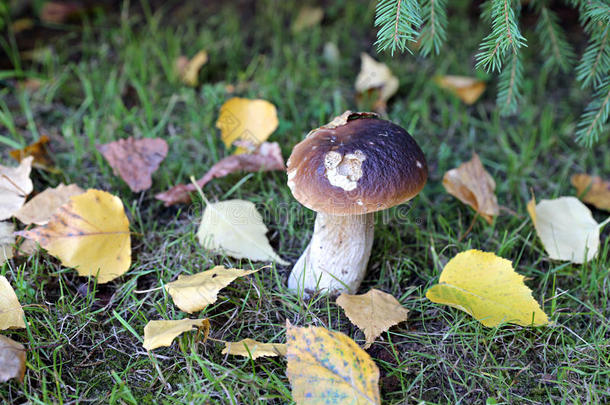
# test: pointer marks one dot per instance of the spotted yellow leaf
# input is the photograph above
(252, 121)
(163, 333)
(39, 209)
(467, 89)
(251, 348)
(11, 313)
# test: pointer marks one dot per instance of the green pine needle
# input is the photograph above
(509, 88)
(594, 64)
(398, 22)
(433, 34)
(554, 44)
(594, 118)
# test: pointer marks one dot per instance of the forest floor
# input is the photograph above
(112, 76)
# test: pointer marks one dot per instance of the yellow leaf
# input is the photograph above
(373, 312)
(188, 70)
(252, 349)
(236, 228)
(193, 293)
(163, 333)
(40, 208)
(486, 287)
(467, 89)
(566, 228)
(596, 191)
(7, 240)
(376, 77)
(249, 120)
(90, 233)
(15, 185)
(308, 17)
(39, 151)
(11, 313)
(12, 360)
(471, 184)
(325, 365)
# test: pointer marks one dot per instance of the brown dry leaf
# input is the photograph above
(12, 360)
(467, 89)
(373, 312)
(39, 150)
(163, 333)
(473, 186)
(135, 160)
(58, 12)
(188, 70)
(308, 17)
(266, 158)
(40, 208)
(375, 81)
(597, 190)
(252, 349)
(11, 313)
(15, 185)
(7, 240)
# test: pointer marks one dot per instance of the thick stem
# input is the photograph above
(337, 255)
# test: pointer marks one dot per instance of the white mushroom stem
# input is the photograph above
(336, 257)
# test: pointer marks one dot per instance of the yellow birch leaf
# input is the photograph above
(236, 228)
(566, 228)
(593, 190)
(40, 208)
(486, 287)
(7, 240)
(15, 185)
(252, 349)
(193, 293)
(376, 76)
(308, 17)
(11, 313)
(467, 89)
(12, 360)
(163, 333)
(373, 312)
(89, 233)
(188, 70)
(249, 120)
(327, 367)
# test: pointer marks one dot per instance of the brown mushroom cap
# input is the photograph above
(356, 164)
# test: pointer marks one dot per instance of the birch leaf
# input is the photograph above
(373, 312)
(308, 17)
(376, 77)
(12, 360)
(467, 89)
(192, 293)
(40, 208)
(39, 151)
(236, 228)
(486, 287)
(7, 240)
(11, 313)
(163, 333)
(15, 185)
(593, 189)
(252, 349)
(188, 70)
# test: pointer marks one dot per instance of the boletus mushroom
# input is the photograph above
(345, 171)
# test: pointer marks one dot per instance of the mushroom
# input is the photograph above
(345, 171)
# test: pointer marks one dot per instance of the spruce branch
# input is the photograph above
(594, 118)
(433, 33)
(597, 11)
(555, 47)
(398, 22)
(509, 87)
(594, 64)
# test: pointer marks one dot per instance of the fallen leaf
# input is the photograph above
(373, 312)
(467, 89)
(7, 241)
(40, 208)
(11, 313)
(236, 228)
(593, 190)
(192, 293)
(15, 185)
(308, 17)
(267, 157)
(26, 248)
(22, 24)
(188, 70)
(163, 333)
(252, 349)
(12, 360)
(39, 151)
(486, 287)
(135, 160)
(473, 186)
(566, 228)
(58, 12)
(375, 77)
(89, 233)
(328, 367)
(245, 119)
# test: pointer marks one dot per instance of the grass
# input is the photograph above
(113, 77)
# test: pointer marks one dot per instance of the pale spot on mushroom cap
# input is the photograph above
(344, 171)
(291, 175)
(332, 159)
(418, 163)
(359, 202)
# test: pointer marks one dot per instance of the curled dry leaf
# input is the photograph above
(467, 89)
(471, 184)
(15, 185)
(11, 313)
(163, 333)
(308, 17)
(12, 360)
(486, 287)
(192, 293)
(377, 81)
(89, 233)
(593, 190)
(267, 157)
(40, 208)
(135, 160)
(252, 349)
(373, 312)
(566, 228)
(324, 365)
(58, 12)
(7, 241)
(188, 70)
(39, 151)
(250, 120)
